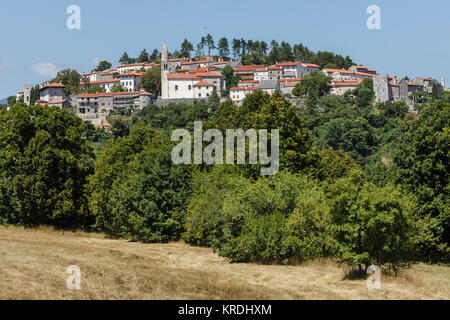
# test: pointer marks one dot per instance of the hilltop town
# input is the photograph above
(190, 79)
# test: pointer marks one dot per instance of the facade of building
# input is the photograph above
(104, 103)
(237, 94)
(340, 87)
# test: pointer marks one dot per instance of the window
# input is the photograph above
(176, 88)
(189, 87)
(199, 95)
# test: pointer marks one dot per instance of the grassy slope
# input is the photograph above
(33, 265)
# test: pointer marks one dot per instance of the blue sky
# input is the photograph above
(35, 42)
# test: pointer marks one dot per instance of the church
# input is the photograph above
(197, 83)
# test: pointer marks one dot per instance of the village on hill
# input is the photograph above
(190, 79)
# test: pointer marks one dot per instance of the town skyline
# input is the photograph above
(36, 59)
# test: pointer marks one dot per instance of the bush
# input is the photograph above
(371, 225)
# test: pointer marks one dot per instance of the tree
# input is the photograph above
(314, 85)
(371, 225)
(96, 88)
(236, 46)
(422, 159)
(118, 87)
(44, 163)
(151, 81)
(274, 53)
(71, 79)
(186, 48)
(143, 57)
(34, 95)
(285, 52)
(230, 79)
(210, 43)
(12, 100)
(125, 59)
(155, 55)
(103, 65)
(223, 47)
(201, 47)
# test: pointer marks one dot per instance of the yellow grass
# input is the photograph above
(33, 265)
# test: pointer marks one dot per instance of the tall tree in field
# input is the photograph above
(236, 47)
(223, 47)
(143, 57)
(186, 48)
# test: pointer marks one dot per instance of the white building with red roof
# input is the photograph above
(237, 94)
(52, 95)
(199, 83)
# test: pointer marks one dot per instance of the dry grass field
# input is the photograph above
(33, 265)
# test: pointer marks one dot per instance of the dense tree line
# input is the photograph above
(357, 183)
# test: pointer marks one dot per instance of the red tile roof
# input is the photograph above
(310, 65)
(53, 85)
(244, 89)
(182, 76)
(286, 64)
(96, 95)
(203, 84)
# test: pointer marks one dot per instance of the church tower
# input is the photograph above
(164, 72)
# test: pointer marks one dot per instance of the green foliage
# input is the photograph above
(371, 225)
(137, 192)
(118, 87)
(151, 81)
(314, 85)
(103, 65)
(44, 165)
(71, 79)
(175, 116)
(11, 100)
(273, 219)
(423, 161)
(264, 111)
(230, 79)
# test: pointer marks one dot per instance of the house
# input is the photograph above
(237, 94)
(247, 72)
(269, 86)
(290, 70)
(107, 84)
(340, 87)
(274, 72)
(103, 103)
(131, 81)
(134, 67)
(427, 84)
(342, 74)
(362, 69)
(261, 74)
(287, 85)
(52, 95)
(306, 68)
(248, 83)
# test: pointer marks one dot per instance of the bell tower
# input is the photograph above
(164, 73)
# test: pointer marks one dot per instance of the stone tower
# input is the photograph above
(382, 88)
(27, 93)
(164, 72)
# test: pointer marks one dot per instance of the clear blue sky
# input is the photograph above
(413, 41)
